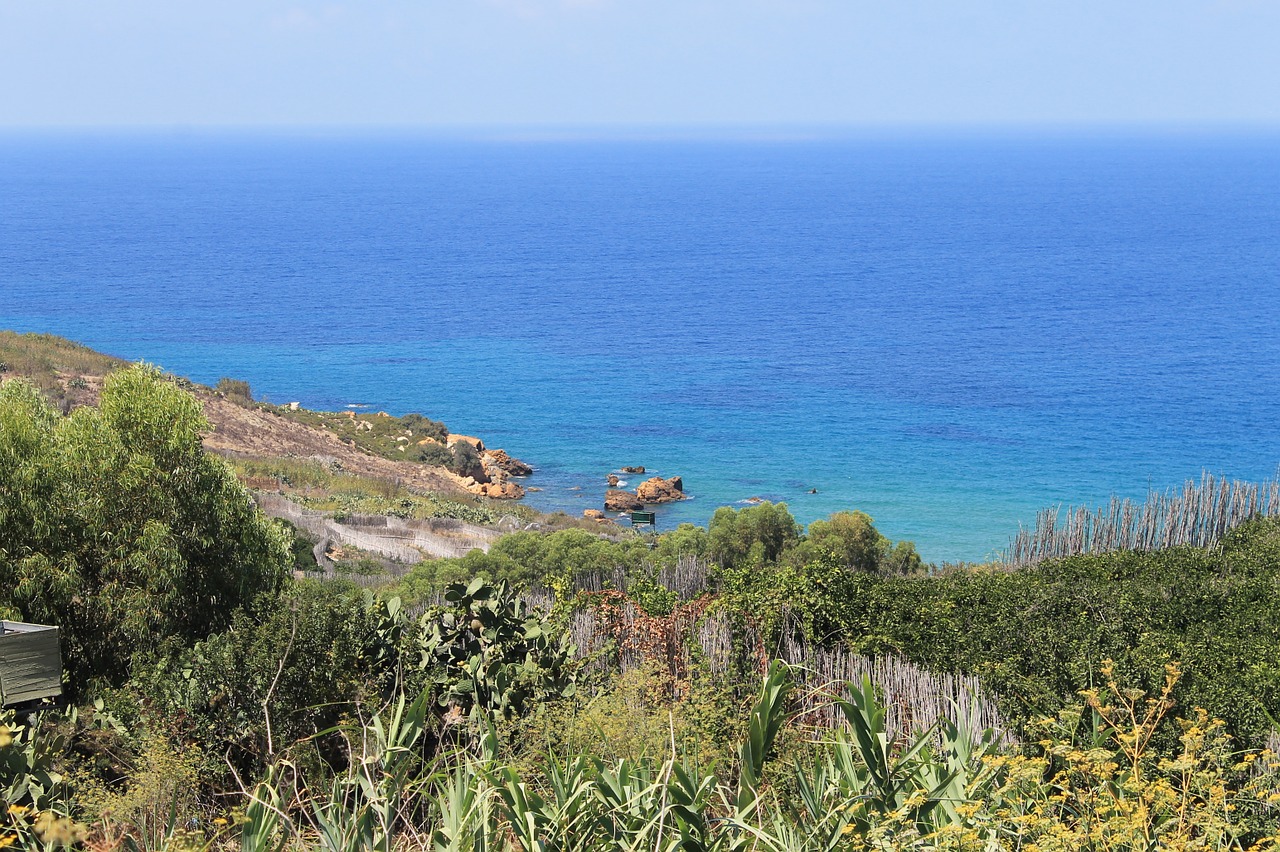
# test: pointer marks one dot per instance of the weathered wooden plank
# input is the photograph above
(30, 662)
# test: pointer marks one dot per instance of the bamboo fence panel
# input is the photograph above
(1199, 515)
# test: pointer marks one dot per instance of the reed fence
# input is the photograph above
(1199, 515)
(405, 541)
(616, 636)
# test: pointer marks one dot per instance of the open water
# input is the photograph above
(948, 334)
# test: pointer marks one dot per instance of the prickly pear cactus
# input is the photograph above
(487, 652)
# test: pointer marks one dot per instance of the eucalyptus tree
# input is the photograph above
(117, 526)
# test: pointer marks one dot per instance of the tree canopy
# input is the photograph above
(117, 527)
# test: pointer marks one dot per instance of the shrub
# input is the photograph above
(466, 460)
(234, 389)
(851, 540)
(486, 652)
(754, 535)
(1036, 636)
(436, 455)
(270, 680)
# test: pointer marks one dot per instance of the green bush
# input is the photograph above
(436, 455)
(1037, 636)
(116, 526)
(466, 460)
(754, 535)
(851, 540)
(272, 680)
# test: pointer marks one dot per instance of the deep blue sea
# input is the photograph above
(948, 334)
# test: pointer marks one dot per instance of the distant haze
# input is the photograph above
(638, 62)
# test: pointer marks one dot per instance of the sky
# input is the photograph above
(441, 63)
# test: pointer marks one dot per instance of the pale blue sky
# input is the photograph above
(568, 62)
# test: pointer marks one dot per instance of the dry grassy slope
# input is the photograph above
(71, 376)
(252, 432)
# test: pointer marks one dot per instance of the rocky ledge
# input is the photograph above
(617, 500)
(493, 479)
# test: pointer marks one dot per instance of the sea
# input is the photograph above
(948, 332)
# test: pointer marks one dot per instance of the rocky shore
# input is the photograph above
(493, 477)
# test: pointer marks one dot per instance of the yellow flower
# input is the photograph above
(17, 810)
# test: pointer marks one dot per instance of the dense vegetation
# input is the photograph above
(214, 701)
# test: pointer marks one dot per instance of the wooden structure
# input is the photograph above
(30, 663)
(641, 519)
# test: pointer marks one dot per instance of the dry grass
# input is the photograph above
(69, 374)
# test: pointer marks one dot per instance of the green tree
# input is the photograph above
(686, 540)
(117, 527)
(754, 535)
(851, 540)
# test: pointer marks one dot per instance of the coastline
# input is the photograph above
(949, 337)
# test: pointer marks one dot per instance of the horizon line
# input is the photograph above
(665, 131)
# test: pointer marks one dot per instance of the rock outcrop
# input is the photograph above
(593, 514)
(470, 439)
(617, 500)
(613, 480)
(491, 475)
(500, 490)
(638, 469)
(511, 465)
(659, 490)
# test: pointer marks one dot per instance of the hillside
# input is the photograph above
(70, 375)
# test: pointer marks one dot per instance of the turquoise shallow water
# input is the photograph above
(947, 334)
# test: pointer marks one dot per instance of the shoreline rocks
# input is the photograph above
(659, 490)
(617, 500)
(509, 464)
(654, 490)
(492, 477)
